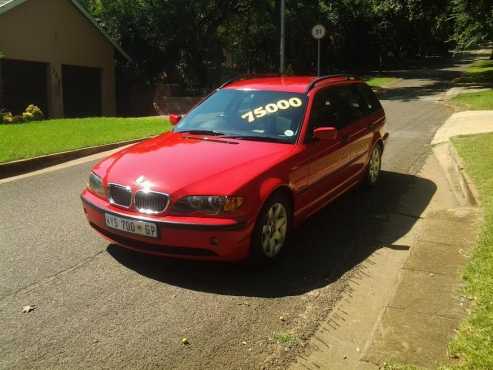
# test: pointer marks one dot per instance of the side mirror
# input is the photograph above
(325, 133)
(175, 118)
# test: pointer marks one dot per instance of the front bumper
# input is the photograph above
(179, 237)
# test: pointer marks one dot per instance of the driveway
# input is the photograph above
(98, 305)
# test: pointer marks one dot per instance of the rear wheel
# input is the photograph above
(374, 166)
(272, 230)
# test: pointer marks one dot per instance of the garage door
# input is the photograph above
(81, 91)
(23, 83)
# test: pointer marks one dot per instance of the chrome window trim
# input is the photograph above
(110, 199)
(147, 212)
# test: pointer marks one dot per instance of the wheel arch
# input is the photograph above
(274, 186)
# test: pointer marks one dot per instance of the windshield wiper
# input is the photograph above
(202, 132)
(257, 138)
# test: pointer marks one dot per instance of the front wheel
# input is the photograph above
(272, 230)
(374, 166)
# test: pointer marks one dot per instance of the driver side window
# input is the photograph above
(324, 112)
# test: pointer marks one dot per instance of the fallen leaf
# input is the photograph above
(27, 309)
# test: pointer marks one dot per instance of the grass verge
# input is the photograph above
(482, 100)
(479, 73)
(379, 81)
(473, 345)
(27, 140)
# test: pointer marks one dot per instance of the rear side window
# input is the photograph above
(342, 105)
(350, 103)
(372, 103)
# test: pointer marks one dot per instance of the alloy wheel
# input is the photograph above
(274, 230)
(374, 165)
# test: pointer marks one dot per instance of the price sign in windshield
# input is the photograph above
(270, 108)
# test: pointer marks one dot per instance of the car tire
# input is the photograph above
(272, 230)
(373, 169)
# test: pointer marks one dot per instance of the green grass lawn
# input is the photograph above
(480, 73)
(27, 140)
(482, 100)
(379, 81)
(474, 343)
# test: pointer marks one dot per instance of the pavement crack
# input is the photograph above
(414, 217)
(421, 239)
(424, 271)
(28, 288)
(420, 312)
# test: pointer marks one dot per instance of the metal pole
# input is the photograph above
(281, 49)
(318, 57)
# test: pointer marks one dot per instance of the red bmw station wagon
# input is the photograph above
(241, 170)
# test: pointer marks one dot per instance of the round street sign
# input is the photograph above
(318, 31)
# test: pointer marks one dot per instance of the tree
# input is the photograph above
(473, 22)
(187, 42)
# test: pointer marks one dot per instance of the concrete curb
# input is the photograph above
(459, 181)
(22, 166)
(462, 123)
(467, 185)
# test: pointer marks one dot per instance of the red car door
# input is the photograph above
(327, 160)
(372, 122)
(355, 132)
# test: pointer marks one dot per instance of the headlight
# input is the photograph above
(96, 185)
(211, 204)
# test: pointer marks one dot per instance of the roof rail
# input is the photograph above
(322, 78)
(248, 76)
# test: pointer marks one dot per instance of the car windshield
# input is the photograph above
(248, 114)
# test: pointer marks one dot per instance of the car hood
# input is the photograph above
(176, 162)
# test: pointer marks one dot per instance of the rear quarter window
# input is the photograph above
(350, 102)
(372, 104)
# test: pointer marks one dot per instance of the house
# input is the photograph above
(56, 56)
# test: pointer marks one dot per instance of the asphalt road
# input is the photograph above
(98, 305)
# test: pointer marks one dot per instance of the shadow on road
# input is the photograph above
(429, 80)
(420, 83)
(329, 244)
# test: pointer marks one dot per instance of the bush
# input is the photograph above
(17, 119)
(33, 113)
(27, 116)
(7, 117)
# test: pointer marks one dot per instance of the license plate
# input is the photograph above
(131, 226)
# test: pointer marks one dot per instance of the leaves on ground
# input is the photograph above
(28, 308)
